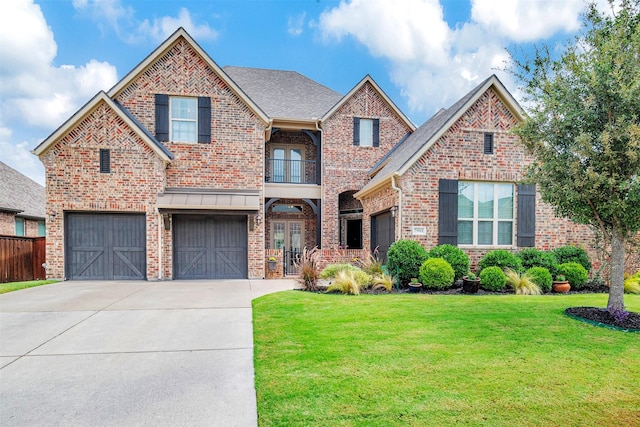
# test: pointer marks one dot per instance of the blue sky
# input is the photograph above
(425, 54)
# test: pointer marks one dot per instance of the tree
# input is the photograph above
(583, 128)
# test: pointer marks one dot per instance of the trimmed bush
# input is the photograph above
(532, 257)
(455, 256)
(500, 258)
(632, 284)
(575, 273)
(404, 259)
(541, 277)
(436, 273)
(493, 279)
(572, 253)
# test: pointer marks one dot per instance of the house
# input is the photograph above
(186, 170)
(22, 204)
(458, 179)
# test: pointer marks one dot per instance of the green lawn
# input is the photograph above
(15, 286)
(441, 360)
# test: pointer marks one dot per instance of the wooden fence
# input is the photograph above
(21, 258)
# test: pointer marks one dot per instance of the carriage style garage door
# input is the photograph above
(105, 246)
(210, 247)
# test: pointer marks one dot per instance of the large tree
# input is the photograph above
(583, 127)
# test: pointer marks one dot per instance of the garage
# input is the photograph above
(210, 246)
(102, 246)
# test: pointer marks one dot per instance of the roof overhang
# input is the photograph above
(295, 124)
(383, 182)
(208, 200)
(84, 112)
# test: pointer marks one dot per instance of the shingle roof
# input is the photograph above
(284, 94)
(20, 194)
(405, 150)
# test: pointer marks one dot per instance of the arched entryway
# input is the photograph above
(350, 219)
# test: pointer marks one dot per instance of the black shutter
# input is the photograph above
(448, 211)
(204, 120)
(376, 132)
(162, 117)
(105, 160)
(488, 143)
(356, 131)
(526, 215)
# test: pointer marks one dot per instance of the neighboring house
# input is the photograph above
(22, 204)
(186, 170)
(457, 180)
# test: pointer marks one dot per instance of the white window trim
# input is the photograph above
(370, 135)
(495, 218)
(171, 119)
(287, 159)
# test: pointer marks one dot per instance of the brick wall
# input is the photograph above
(345, 166)
(7, 223)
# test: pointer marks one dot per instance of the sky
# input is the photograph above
(55, 55)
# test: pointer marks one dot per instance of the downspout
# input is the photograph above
(319, 215)
(399, 213)
(159, 244)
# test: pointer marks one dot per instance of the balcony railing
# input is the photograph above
(291, 171)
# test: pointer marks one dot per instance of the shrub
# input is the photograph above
(500, 258)
(541, 277)
(350, 282)
(382, 281)
(575, 273)
(455, 256)
(436, 273)
(532, 257)
(371, 264)
(332, 270)
(404, 259)
(522, 283)
(492, 278)
(307, 264)
(632, 284)
(572, 253)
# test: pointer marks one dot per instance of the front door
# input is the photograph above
(288, 236)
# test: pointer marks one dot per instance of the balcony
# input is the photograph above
(281, 171)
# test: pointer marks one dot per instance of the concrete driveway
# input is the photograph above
(130, 353)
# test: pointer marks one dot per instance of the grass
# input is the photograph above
(16, 286)
(423, 360)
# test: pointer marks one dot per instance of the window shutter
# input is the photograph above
(488, 143)
(105, 161)
(162, 117)
(376, 132)
(356, 131)
(204, 120)
(448, 211)
(526, 215)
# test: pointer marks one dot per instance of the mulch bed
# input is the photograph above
(602, 316)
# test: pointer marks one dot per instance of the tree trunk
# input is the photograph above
(616, 289)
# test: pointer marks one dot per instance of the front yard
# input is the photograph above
(499, 360)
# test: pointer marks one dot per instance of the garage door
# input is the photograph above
(105, 246)
(383, 233)
(209, 247)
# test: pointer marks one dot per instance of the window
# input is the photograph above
(485, 214)
(42, 228)
(19, 226)
(488, 143)
(288, 165)
(366, 132)
(184, 119)
(287, 208)
(105, 161)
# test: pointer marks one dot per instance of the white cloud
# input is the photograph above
(434, 64)
(36, 96)
(295, 24)
(161, 28)
(115, 15)
(527, 20)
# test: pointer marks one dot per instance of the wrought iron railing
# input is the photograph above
(291, 171)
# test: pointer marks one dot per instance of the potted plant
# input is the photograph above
(470, 283)
(561, 284)
(272, 263)
(414, 285)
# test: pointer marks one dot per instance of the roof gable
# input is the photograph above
(409, 151)
(284, 94)
(369, 80)
(119, 110)
(181, 33)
